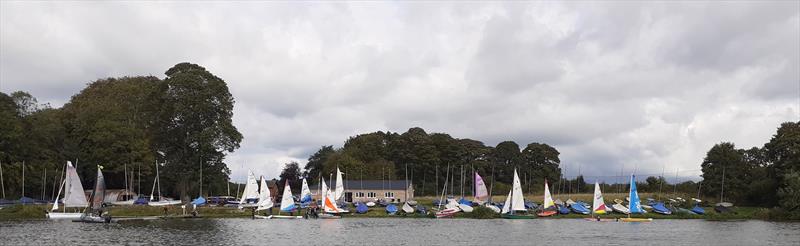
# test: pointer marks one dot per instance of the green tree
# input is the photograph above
(291, 173)
(725, 157)
(194, 125)
(544, 162)
(790, 192)
(315, 164)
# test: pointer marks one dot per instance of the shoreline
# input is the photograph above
(143, 212)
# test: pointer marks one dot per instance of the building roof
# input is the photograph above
(367, 184)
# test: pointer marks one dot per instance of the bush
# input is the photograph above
(481, 212)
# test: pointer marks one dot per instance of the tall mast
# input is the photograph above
(722, 192)
(23, 178)
(201, 177)
(2, 182)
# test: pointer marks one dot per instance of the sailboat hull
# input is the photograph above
(547, 213)
(164, 203)
(636, 219)
(518, 216)
(59, 215)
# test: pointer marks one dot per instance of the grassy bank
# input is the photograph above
(28, 212)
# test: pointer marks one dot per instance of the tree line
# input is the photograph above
(183, 122)
(426, 159)
(768, 176)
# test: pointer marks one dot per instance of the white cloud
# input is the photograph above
(610, 84)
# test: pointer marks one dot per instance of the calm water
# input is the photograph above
(400, 232)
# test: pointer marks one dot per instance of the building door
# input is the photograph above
(348, 196)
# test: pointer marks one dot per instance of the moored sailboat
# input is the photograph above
(73, 196)
(287, 204)
(264, 199)
(634, 206)
(515, 202)
(548, 206)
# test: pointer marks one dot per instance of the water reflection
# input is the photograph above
(399, 232)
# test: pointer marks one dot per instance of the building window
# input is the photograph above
(359, 194)
(388, 194)
(371, 194)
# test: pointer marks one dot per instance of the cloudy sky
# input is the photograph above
(628, 85)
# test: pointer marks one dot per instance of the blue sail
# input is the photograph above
(635, 206)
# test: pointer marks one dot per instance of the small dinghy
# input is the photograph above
(412, 202)
(422, 209)
(562, 209)
(698, 210)
(370, 204)
(514, 207)
(547, 213)
(407, 208)
(660, 208)
(619, 208)
(361, 208)
(579, 208)
(723, 207)
(450, 212)
(492, 207)
(95, 213)
(465, 208)
(391, 209)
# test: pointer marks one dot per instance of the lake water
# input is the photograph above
(371, 231)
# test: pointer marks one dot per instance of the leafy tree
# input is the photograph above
(315, 164)
(10, 129)
(26, 103)
(506, 155)
(725, 157)
(291, 172)
(783, 150)
(543, 160)
(790, 193)
(194, 125)
(580, 184)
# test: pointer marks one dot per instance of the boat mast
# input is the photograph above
(462, 181)
(491, 186)
(444, 189)
(201, 177)
(2, 182)
(722, 192)
(23, 179)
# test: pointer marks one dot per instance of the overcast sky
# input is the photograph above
(628, 85)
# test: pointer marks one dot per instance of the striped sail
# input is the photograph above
(287, 202)
(481, 194)
(598, 206)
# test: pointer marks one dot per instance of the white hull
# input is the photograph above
(123, 203)
(465, 208)
(60, 215)
(163, 203)
(284, 217)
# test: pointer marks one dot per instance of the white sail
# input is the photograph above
(481, 193)
(250, 189)
(323, 189)
(517, 201)
(548, 199)
(328, 204)
(287, 202)
(264, 196)
(339, 192)
(507, 204)
(73, 190)
(598, 206)
(305, 193)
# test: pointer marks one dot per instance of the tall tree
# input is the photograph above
(195, 125)
(315, 164)
(725, 157)
(291, 172)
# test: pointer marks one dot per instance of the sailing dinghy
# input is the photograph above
(329, 207)
(250, 194)
(305, 195)
(634, 206)
(515, 202)
(548, 206)
(162, 201)
(73, 196)
(96, 213)
(287, 204)
(264, 199)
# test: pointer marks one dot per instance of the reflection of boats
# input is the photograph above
(73, 196)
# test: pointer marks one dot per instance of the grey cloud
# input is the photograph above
(610, 84)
